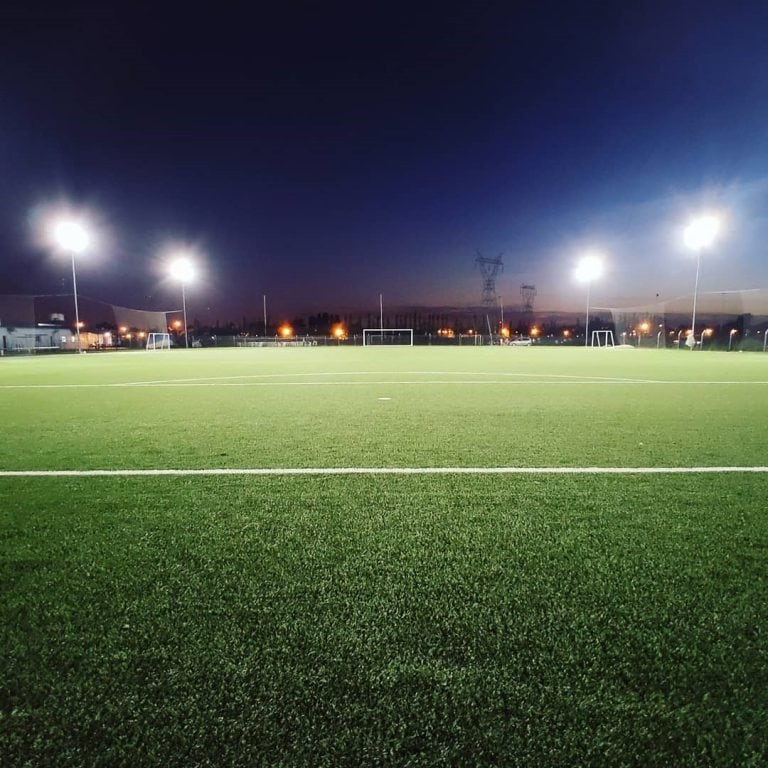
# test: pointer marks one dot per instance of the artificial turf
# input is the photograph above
(385, 620)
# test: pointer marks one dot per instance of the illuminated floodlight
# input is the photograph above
(183, 270)
(589, 268)
(698, 235)
(71, 236)
(286, 331)
(701, 232)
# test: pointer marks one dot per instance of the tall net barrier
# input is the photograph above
(734, 318)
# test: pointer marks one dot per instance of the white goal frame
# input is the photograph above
(602, 339)
(157, 341)
(371, 331)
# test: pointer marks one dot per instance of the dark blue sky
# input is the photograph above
(323, 153)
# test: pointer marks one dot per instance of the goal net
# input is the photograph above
(602, 339)
(157, 341)
(390, 337)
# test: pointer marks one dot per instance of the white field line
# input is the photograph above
(282, 471)
(199, 380)
(387, 382)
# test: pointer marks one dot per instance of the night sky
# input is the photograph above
(323, 153)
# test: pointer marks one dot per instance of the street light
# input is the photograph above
(644, 327)
(72, 237)
(588, 269)
(730, 338)
(698, 235)
(183, 271)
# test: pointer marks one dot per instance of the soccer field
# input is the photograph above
(414, 556)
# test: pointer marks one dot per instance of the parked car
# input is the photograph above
(521, 341)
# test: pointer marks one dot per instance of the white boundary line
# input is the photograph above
(386, 382)
(283, 471)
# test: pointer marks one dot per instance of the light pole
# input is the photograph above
(730, 338)
(588, 269)
(699, 234)
(73, 238)
(183, 271)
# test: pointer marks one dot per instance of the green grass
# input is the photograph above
(385, 620)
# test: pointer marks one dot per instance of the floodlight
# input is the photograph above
(698, 235)
(182, 269)
(589, 268)
(701, 232)
(71, 236)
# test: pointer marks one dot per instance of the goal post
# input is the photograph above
(602, 339)
(387, 337)
(157, 341)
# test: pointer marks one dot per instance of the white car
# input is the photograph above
(521, 341)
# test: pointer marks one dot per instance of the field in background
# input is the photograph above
(384, 619)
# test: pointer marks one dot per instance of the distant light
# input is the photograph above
(535, 331)
(123, 329)
(708, 331)
(566, 333)
(701, 232)
(644, 327)
(71, 236)
(285, 330)
(733, 331)
(505, 332)
(589, 268)
(339, 331)
(177, 324)
(182, 269)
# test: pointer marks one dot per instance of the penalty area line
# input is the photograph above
(287, 471)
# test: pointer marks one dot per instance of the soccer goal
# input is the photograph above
(602, 339)
(390, 337)
(157, 341)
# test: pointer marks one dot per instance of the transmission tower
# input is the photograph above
(528, 295)
(489, 269)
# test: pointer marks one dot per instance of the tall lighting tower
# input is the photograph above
(73, 238)
(699, 234)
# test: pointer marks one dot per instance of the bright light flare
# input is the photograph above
(589, 268)
(701, 232)
(182, 269)
(339, 331)
(285, 331)
(70, 235)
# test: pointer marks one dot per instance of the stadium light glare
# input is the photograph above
(183, 270)
(286, 331)
(589, 268)
(71, 236)
(701, 232)
(698, 235)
